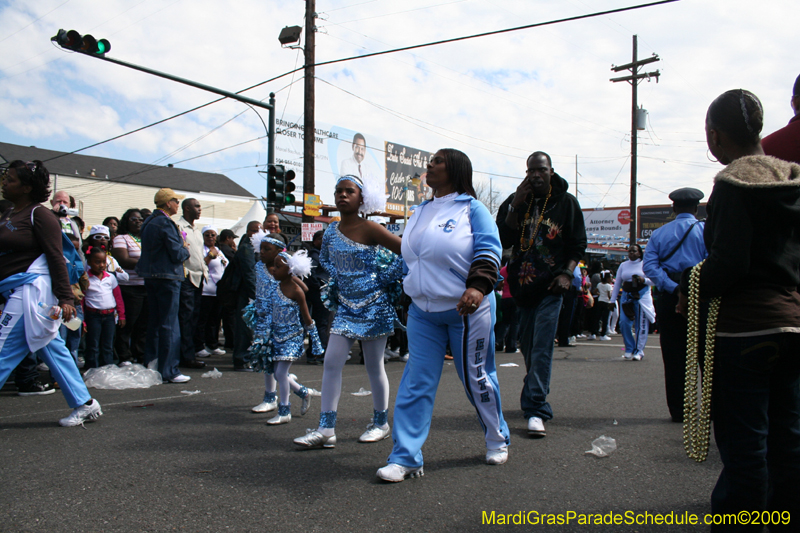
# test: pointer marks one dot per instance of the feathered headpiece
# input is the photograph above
(373, 194)
(299, 263)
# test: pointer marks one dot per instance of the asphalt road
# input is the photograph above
(160, 460)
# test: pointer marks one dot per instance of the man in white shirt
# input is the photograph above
(196, 272)
(358, 164)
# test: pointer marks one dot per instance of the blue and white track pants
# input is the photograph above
(471, 340)
(14, 347)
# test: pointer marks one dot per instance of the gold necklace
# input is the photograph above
(697, 424)
(538, 223)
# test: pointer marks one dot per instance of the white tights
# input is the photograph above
(335, 358)
(281, 377)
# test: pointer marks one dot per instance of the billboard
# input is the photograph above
(607, 226)
(652, 217)
(340, 151)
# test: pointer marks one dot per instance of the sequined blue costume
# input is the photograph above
(287, 328)
(361, 274)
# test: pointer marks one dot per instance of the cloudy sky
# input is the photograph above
(497, 98)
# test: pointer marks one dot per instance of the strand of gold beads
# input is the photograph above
(697, 423)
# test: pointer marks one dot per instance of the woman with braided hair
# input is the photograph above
(753, 268)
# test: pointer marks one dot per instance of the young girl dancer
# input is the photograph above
(290, 319)
(258, 316)
(360, 271)
(102, 304)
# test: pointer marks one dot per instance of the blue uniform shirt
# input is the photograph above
(663, 240)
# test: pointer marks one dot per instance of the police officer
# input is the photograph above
(672, 248)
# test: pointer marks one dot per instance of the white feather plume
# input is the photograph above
(374, 196)
(300, 264)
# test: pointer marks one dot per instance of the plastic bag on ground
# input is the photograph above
(212, 374)
(361, 392)
(603, 446)
(113, 377)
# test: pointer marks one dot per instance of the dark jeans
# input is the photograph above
(756, 413)
(99, 339)
(131, 339)
(242, 336)
(565, 317)
(207, 330)
(505, 332)
(188, 316)
(537, 328)
(163, 330)
(26, 373)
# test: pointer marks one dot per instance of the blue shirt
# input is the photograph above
(662, 242)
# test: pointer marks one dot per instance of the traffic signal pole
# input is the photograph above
(227, 94)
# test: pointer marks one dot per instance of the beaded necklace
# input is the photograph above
(697, 424)
(538, 223)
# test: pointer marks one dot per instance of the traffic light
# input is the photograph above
(280, 186)
(72, 40)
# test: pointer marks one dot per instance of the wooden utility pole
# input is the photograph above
(633, 79)
(309, 130)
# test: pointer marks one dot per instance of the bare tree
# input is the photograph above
(492, 201)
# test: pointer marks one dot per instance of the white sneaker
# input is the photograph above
(125, 363)
(637, 357)
(572, 340)
(202, 353)
(604, 338)
(396, 473)
(265, 407)
(591, 338)
(218, 351)
(581, 336)
(279, 420)
(82, 414)
(178, 378)
(627, 356)
(306, 403)
(314, 392)
(390, 354)
(404, 358)
(497, 457)
(536, 427)
(314, 439)
(375, 433)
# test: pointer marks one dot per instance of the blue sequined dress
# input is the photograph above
(287, 328)
(258, 316)
(361, 274)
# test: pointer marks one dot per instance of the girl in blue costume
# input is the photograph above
(258, 315)
(290, 319)
(451, 248)
(360, 271)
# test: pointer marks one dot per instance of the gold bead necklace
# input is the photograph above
(538, 223)
(697, 424)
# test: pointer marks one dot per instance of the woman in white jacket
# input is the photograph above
(637, 311)
(451, 249)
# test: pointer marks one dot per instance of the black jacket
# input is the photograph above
(561, 239)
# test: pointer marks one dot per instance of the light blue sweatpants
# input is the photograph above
(14, 347)
(471, 340)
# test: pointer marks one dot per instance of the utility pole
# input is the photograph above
(309, 129)
(633, 79)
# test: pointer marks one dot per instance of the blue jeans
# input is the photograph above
(163, 331)
(756, 413)
(537, 330)
(99, 339)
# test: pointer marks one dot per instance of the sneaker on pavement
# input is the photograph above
(604, 338)
(375, 433)
(627, 356)
(37, 388)
(396, 473)
(81, 362)
(285, 419)
(202, 353)
(536, 427)
(218, 351)
(572, 340)
(591, 338)
(581, 336)
(497, 457)
(637, 357)
(82, 414)
(265, 406)
(178, 378)
(404, 358)
(314, 439)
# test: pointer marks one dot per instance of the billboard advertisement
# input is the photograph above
(607, 226)
(341, 151)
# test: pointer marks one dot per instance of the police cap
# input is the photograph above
(686, 197)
